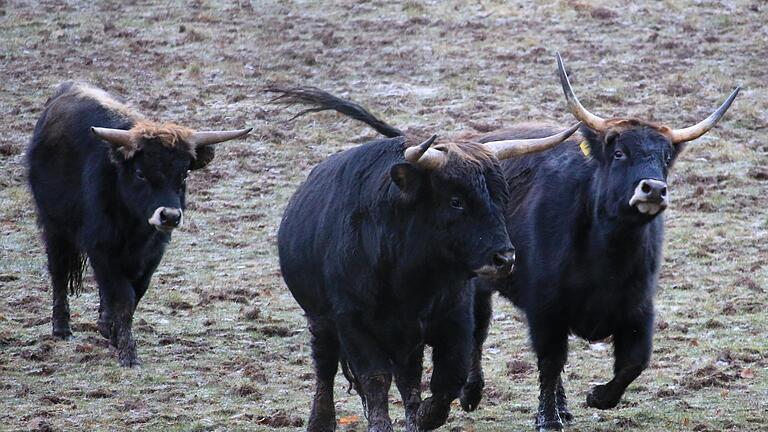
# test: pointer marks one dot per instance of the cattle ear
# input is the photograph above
(593, 145)
(676, 150)
(408, 179)
(203, 156)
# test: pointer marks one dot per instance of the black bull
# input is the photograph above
(377, 246)
(586, 220)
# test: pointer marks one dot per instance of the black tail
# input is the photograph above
(323, 101)
(75, 276)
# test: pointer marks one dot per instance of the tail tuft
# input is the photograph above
(323, 101)
(75, 274)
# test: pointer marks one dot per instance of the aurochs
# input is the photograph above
(586, 220)
(109, 185)
(377, 246)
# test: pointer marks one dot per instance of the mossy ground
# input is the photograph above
(223, 343)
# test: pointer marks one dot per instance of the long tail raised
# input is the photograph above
(323, 101)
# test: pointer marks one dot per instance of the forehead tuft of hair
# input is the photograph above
(169, 135)
(619, 125)
(465, 154)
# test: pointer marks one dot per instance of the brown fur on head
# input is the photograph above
(619, 125)
(169, 135)
(462, 153)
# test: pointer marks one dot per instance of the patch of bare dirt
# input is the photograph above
(280, 420)
(708, 376)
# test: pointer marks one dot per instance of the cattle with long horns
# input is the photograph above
(586, 220)
(109, 186)
(377, 247)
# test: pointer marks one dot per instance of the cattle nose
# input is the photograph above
(650, 196)
(165, 218)
(653, 188)
(170, 217)
(504, 260)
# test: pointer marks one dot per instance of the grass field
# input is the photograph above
(223, 343)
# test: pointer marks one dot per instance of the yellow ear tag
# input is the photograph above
(584, 146)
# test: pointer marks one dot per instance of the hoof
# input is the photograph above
(128, 358)
(63, 333)
(597, 398)
(105, 328)
(315, 425)
(471, 395)
(431, 414)
(551, 424)
(550, 428)
(565, 415)
(129, 362)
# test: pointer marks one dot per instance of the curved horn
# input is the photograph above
(424, 156)
(118, 137)
(594, 122)
(697, 130)
(212, 137)
(519, 147)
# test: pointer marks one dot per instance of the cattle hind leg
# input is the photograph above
(65, 265)
(325, 354)
(472, 392)
(632, 349)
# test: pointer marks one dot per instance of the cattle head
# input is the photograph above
(152, 162)
(460, 193)
(633, 156)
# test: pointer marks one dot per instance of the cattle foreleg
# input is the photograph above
(472, 392)
(408, 380)
(632, 348)
(550, 341)
(325, 354)
(105, 323)
(375, 393)
(451, 356)
(118, 301)
(371, 368)
(141, 284)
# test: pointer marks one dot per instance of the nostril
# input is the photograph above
(503, 259)
(646, 188)
(664, 191)
(163, 217)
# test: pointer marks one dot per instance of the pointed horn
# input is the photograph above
(424, 156)
(697, 130)
(212, 137)
(594, 122)
(118, 137)
(519, 147)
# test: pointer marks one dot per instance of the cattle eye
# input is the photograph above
(140, 175)
(618, 154)
(457, 203)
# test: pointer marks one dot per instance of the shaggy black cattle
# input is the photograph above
(585, 218)
(377, 246)
(109, 185)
